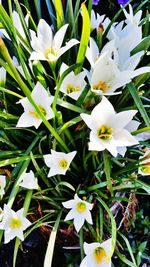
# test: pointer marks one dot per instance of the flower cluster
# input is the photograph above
(51, 89)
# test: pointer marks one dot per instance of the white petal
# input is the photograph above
(107, 245)
(88, 217)
(44, 35)
(71, 214)
(121, 119)
(104, 108)
(68, 45)
(140, 71)
(78, 222)
(124, 138)
(89, 248)
(59, 37)
(69, 204)
(37, 56)
(26, 120)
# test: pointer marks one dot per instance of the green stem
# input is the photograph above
(27, 201)
(81, 243)
(107, 171)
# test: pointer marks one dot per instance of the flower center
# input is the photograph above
(99, 254)
(15, 223)
(71, 88)
(63, 164)
(101, 85)
(51, 51)
(105, 132)
(34, 113)
(145, 168)
(81, 207)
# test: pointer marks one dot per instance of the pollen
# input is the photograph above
(81, 207)
(63, 164)
(15, 223)
(101, 85)
(34, 113)
(71, 88)
(105, 132)
(99, 254)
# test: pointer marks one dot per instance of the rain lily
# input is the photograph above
(43, 100)
(80, 211)
(72, 85)
(144, 167)
(2, 77)
(108, 128)
(97, 20)
(110, 68)
(2, 185)
(97, 254)
(47, 47)
(13, 223)
(106, 77)
(18, 25)
(29, 181)
(58, 162)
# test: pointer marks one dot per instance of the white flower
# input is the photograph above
(18, 25)
(97, 254)
(106, 77)
(2, 185)
(72, 85)
(108, 128)
(144, 166)
(13, 223)
(80, 211)
(28, 180)
(47, 47)
(58, 162)
(2, 77)
(43, 100)
(96, 20)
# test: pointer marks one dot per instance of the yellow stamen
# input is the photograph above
(63, 164)
(105, 132)
(15, 223)
(101, 85)
(81, 207)
(34, 113)
(99, 254)
(71, 88)
(145, 168)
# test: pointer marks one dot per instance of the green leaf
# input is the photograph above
(51, 244)
(84, 37)
(144, 45)
(113, 223)
(59, 12)
(138, 102)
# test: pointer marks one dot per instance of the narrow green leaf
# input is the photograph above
(51, 243)
(138, 102)
(59, 12)
(113, 223)
(84, 37)
(107, 170)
